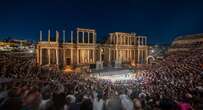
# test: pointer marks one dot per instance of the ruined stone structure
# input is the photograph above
(82, 49)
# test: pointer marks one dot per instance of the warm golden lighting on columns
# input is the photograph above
(77, 36)
(109, 55)
(138, 57)
(71, 55)
(49, 35)
(77, 56)
(49, 56)
(40, 56)
(57, 36)
(57, 57)
(64, 57)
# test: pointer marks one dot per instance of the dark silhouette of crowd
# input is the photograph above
(176, 83)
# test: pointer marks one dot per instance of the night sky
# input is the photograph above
(160, 20)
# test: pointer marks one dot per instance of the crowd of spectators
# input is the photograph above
(176, 83)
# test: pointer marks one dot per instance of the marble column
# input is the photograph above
(88, 56)
(83, 37)
(57, 57)
(71, 55)
(146, 55)
(109, 55)
(130, 55)
(114, 37)
(40, 56)
(77, 56)
(116, 54)
(138, 57)
(64, 36)
(64, 57)
(145, 40)
(110, 39)
(77, 36)
(37, 54)
(49, 57)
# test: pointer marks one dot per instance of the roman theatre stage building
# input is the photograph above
(82, 49)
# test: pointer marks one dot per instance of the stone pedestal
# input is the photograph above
(99, 65)
(117, 64)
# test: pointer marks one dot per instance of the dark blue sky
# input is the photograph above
(160, 20)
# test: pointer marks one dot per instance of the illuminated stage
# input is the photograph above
(114, 74)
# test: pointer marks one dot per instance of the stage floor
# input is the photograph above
(114, 74)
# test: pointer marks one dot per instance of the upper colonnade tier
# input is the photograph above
(88, 36)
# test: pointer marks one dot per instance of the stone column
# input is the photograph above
(57, 57)
(121, 39)
(49, 57)
(109, 55)
(40, 56)
(64, 57)
(88, 56)
(138, 57)
(37, 54)
(83, 37)
(78, 56)
(145, 40)
(77, 36)
(129, 40)
(57, 36)
(116, 54)
(130, 55)
(64, 36)
(146, 55)
(113, 38)
(134, 56)
(71, 55)
(49, 35)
